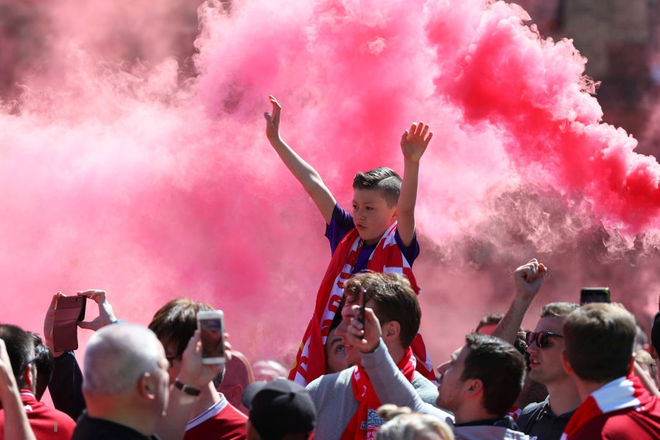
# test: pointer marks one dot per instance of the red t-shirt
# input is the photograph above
(634, 423)
(46, 422)
(222, 421)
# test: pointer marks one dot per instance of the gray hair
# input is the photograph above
(117, 356)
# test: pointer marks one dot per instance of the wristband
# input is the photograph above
(187, 389)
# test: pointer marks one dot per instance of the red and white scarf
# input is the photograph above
(386, 258)
(365, 423)
(625, 392)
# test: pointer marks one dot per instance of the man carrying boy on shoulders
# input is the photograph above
(378, 236)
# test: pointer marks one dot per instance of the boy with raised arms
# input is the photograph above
(377, 235)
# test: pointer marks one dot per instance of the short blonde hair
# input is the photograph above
(403, 424)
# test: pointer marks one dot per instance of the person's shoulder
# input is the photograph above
(227, 424)
(481, 432)
(40, 411)
(427, 390)
(330, 381)
(531, 409)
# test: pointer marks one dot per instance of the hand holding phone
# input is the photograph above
(212, 334)
(70, 310)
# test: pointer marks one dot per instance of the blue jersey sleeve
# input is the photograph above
(411, 252)
(341, 223)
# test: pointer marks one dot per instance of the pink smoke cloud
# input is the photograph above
(122, 171)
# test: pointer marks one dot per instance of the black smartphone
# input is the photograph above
(363, 294)
(594, 295)
(70, 310)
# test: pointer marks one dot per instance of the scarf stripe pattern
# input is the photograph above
(386, 258)
(621, 393)
(364, 425)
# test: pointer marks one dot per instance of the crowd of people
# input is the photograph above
(362, 370)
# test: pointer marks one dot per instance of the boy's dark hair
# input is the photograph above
(20, 350)
(599, 341)
(383, 179)
(45, 363)
(175, 323)
(394, 299)
(499, 366)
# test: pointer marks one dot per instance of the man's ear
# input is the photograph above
(29, 377)
(473, 387)
(234, 393)
(391, 331)
(653, 352)
(564, 363)
(147, 386)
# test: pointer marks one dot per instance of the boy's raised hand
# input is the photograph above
(415, 141)
(273, 122)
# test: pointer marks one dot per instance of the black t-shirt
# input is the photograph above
(91, 428)
(539, 422)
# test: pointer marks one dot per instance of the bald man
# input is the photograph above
(126, 384)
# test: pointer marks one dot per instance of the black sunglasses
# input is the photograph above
(171, 359)
(541, 338)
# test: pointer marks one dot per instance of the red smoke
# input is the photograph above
(121, 170)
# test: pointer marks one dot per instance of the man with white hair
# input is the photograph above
(125, 386)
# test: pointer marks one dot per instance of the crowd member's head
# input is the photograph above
(174, 324)
(126, 377)
(402, 424)
(20, 349)
(546, 343)
(483, 380)
(599, 340)
(488, 323)
(335, 351)
(269, 369)
(394, 303)
(279, 410)
(45, 364)
(237, 376)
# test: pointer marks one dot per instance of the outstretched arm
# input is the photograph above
(413, 146)
(308, 177)
(529, 279)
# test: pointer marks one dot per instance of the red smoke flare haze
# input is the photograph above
(133, 161)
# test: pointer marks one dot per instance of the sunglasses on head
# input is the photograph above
(541, 338)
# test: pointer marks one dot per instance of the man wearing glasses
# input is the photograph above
(544, 420)
(46, 422)
(547, 419)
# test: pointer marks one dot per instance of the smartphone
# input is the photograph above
(360, 317)
(70, 310)
(211, 327)
(594, 295)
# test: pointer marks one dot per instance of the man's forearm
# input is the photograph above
(508, 328)
(390, 384)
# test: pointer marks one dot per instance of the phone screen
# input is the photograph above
(212, 336)
(594, 295)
